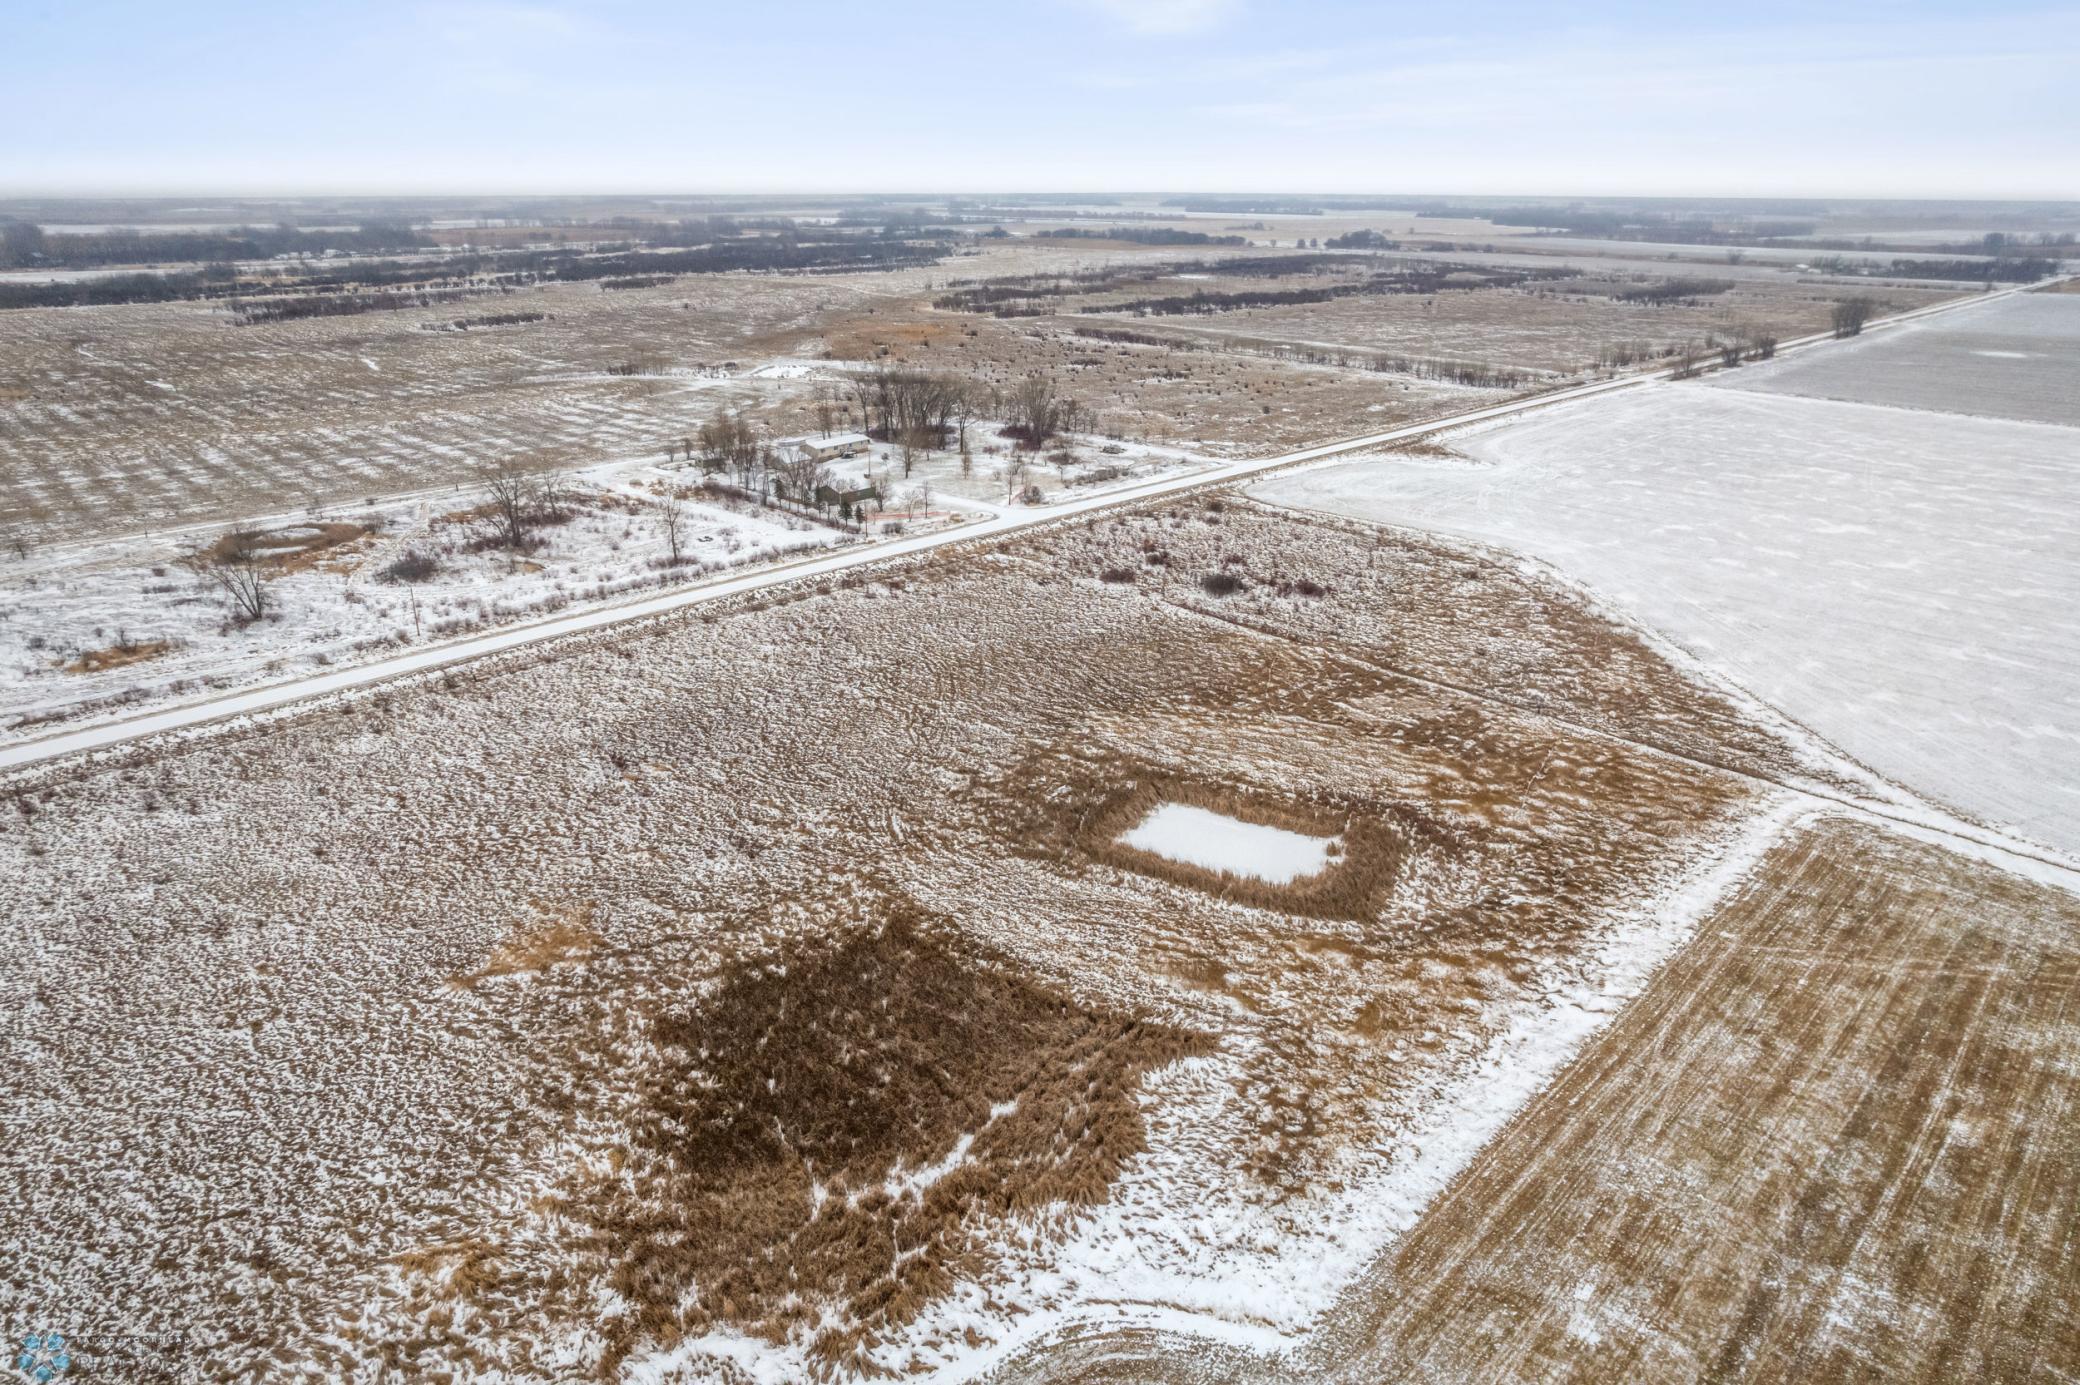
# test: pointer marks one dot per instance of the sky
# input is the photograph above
(1879, 98)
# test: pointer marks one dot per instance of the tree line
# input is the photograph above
(1684, 291)
(26, 245)
(1140, 235)
(483, 271)
(1413, 279)
(2004, 270)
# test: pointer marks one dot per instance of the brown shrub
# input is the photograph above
(291, 548)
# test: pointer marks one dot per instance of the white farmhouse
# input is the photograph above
(825, 449)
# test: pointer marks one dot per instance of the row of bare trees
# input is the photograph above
(919, 409)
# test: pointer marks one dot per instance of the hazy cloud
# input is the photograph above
(1905, 98)
(1167, 16)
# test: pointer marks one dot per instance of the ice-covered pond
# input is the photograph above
(1214, 841)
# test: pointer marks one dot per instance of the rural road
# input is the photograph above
(272, 697)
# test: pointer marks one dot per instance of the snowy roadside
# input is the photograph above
(91, 632)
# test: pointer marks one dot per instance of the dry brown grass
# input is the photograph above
(118, 656)
(683, 775)
(540, 946)
(773, 1171)
(458, 1270)
(1422, 447)
(291, 548)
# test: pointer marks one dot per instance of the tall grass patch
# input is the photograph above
(821, 1137)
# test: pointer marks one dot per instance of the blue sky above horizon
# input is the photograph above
(1766, 98)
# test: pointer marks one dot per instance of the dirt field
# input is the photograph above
(1565, 327)
(1837, 1139)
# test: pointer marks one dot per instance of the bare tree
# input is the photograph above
(826, 406)
(1034, 408)
(915, 405)
(1851, 314)
(863, 394)
(517, 503)
(674, 524)
(801, 476)
(730, 442)
(963, 410)
(235, 566)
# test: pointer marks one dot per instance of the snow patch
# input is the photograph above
(1214, 841)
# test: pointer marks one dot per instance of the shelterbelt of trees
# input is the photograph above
(25, 245)
(668, 250)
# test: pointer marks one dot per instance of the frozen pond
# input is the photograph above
(1214, 841)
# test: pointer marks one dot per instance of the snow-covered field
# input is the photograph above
(2015, 357)
(1902, 582)
(93, 630)
(101, 628)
